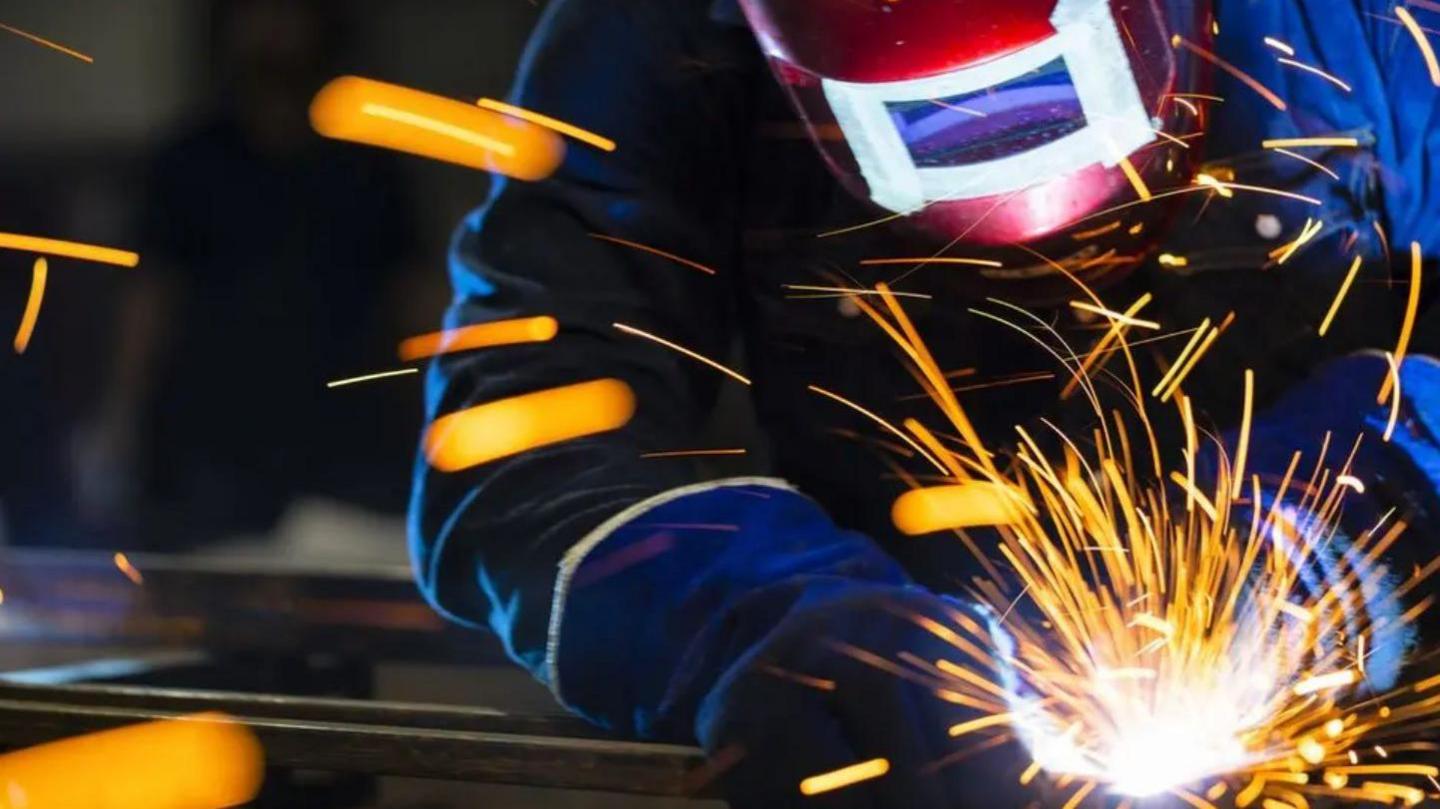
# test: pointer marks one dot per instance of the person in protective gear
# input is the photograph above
(1001, 149)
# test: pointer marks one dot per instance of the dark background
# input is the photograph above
(182, 405)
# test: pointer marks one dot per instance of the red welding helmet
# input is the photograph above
(1001, 123)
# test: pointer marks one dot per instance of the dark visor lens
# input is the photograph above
(1024, 113)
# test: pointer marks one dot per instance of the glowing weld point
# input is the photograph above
(1325, 682)
(131, 573)
(844, 777)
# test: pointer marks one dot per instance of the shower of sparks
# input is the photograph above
(653, 251)
(57, 247)
(47, 43)
(1421, 41)
(1311, 69)
(844, 777)
(356, 380)
(1412, 308)
(582, 135)
(481, 335)
(123, 563)
(698, 357)
(1332, 141)
(32, 306)
(1244, 78)
(1340, 296)
(1164, 645)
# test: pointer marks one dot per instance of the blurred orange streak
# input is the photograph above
(56, 247)
(482, 335)
(205, 761)
(38, 40)
(32, 306)
(583, 135)
(131, 572)
(507, 427)
(394, 117)
(966, 505)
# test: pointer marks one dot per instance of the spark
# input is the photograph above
(1407, 326)
(481, 335)
(692, 453)
(1113, 316)
(1245, 78)
(844, 777)
(1354, 483)
(1194, 110)
(32, 306)
(841, 291)
(1172, 260)
(1334, 141)
(1136, 181)
(1340, 296)
(654, 251)
(896, 431)
(817, 683)
(631, 330)
(1325, 682)
(1280, 46)
(1195, 340)
(1260, 189)
(1425, 50)
(973, 262)
(47, 43)
(65, 249)
(582, 135)
(355, 380)
(1210, 182)
(979, 724)
(1313, 163)
(1243, 443)
(499, 429)
(1317, 72)
(390, 116)
(1392, 379)
(966, 505)
(123, 563)
(1311, 229)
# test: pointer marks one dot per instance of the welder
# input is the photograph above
(1003, 150)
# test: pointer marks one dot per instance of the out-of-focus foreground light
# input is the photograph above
(205, 761)
(510, 426)
(393, 117)
(966, 505)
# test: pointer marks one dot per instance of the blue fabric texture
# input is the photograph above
(742, 617)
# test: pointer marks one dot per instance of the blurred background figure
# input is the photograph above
(183, 405)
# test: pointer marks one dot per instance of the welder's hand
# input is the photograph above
(847, 675)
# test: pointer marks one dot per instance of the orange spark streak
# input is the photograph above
(1117, 317)
(1244, 443)
(1326, 140)
(1425, 50)
(32, 306)
(965, 505)
(1246, 78)
(583, 135)
(1180, 359)
(1392, 379)
(480, 335)
(1316, 71)
(57, 247)
(653, 251)
(202, 761)
(1412, 307)
(1136, 181)
(689, 453)
(896, 431)
(844, 777)
(1316, 164)
(973, 262)
(683, 350)
(506, 427)
(1312, 228)
(1190, 365)
(1340, 296)
(47, 43)
(390, 116)
(355, 380)
(1325, 682)
(131, 573)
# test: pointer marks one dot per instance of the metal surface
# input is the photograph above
(348, 736)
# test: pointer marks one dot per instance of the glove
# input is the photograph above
(736, 614)
(1402, 474)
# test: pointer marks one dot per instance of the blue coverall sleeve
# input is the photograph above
(1391, 104)
(671, 88)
